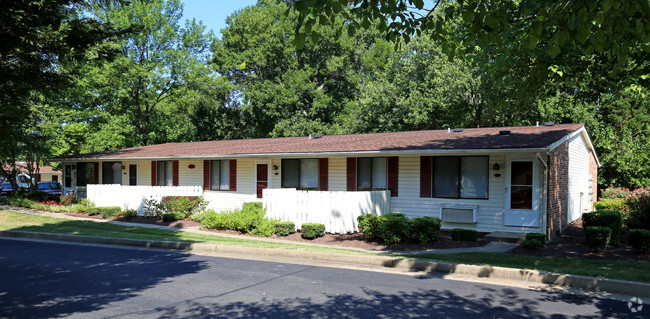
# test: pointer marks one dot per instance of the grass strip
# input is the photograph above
(43, 224)
(613, 269)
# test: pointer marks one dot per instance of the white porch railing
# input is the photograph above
(133, 197)
(337, 210)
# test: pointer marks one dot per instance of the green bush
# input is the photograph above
(84, 202)
(129, 213)
(639, 239)
(532, 244)
(370, 226)
(243, 220)
(106, 212)
(173, 216)
(541, 237)
(612, 204)
(611, 219)
(462, 234)
(597, 237)
(66, 200)
(639, 215)
(426, 229)
(264, 228)
(312, 230)
(4, 200)
(285, 228)
(182, 204)
(396, 228)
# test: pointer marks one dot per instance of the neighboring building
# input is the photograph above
(518, 179)
(46, 174)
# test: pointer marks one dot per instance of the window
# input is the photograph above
(133, 174)
(521, 182)
(371, 173)
(460, 177)
(220, 175)
(164, 172)
(300, 173)
(112, 173)
(55, 178)
(85, 174)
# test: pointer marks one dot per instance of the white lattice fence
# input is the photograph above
(338, 211)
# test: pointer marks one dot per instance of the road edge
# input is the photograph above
(615, 286)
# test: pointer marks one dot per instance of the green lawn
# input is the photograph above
(626, 270)
(43, 224)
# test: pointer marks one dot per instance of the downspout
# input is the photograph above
(544, 192)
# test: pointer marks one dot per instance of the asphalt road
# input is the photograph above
(62, 280)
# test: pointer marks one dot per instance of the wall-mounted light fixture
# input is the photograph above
(275, 167)
(496, 167)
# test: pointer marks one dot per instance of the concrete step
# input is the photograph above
(504, 236)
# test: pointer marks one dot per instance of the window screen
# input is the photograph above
(521, 182)
(460, 177)
(474, 177)
(112, 173)
(164, 172)
(371, 173)
(220, 175)
(300, 173)
(445, 177)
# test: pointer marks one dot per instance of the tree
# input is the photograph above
(611, 27)
(159, 62)
(36, 37)
(285, 90)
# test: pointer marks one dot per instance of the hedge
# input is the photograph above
(462, 234)
(106, 212)
(610, 219)
(597, 237)
(312, 230)
(285, 228)
(639, 239)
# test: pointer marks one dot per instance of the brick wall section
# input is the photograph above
(593, 171)
(558, 190)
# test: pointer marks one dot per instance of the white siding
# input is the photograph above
(190, 176)
(579, 179)
(144, 173)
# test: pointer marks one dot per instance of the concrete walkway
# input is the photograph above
(494, 247)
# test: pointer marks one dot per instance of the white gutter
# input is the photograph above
(351, 153)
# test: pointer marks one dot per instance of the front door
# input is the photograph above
(522, 202)
(262, 178)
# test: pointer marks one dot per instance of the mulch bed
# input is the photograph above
(571, 245)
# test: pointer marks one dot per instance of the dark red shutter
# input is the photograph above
(351, 172)
(206, 175)
(175, 173)
(96, 172)
(393, 175)
(38, 178)
(425, 176)
(323, 176)
(233, 175)
(153, 173)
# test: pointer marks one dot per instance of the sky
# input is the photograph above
(213, 13)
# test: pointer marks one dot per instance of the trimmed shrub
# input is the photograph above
(597, 237)
(285, 228)
(541, 237)
(312, 230)
(245, 220)
(462, 234)
(252, 207)
(426, 229)
(532, 244)
(370, 226)
(4, 200)
(639, 215)
(66, 200)
(396, 228)
(94, 211)
(173, 216)
(612, 204)
(639, 239)
(612, 220)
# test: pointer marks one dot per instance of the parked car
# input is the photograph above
(6, 189)
(52, 190)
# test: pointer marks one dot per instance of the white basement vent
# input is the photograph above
(458, 214)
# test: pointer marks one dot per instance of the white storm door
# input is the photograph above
(522, 193)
